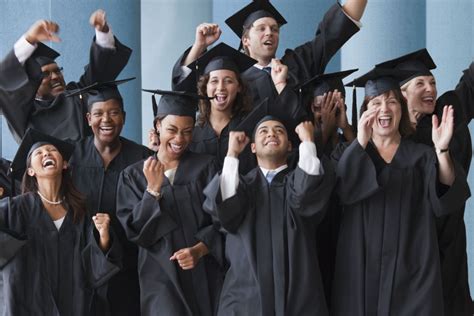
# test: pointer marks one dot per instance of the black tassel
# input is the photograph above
(354, 110)
(154, 105)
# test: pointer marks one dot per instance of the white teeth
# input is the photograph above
(385, 121)
(221, 98)
(176, 148)
(106, 128)
(48, 162)
(57, 84)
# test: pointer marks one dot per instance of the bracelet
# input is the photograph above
(155, 194)
(280, 82)
(441, 151)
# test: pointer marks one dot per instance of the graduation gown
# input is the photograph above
(387, 257)
(99, 185)
(465, 92)
(205, 141)
(63, 117)
(270, 244)
(162, 227)
(50, 272)
(451, 228)
(304, 62)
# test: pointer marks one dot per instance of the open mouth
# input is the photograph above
(268, 43)
(176, 148)
(49, 163)
(56, 85)
(430, 100)
(384, 121)
(220, 98)
(106, 129)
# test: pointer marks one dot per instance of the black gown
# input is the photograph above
(99, 185)
(50, 272)
(451, 228)
(162, 227)
(63, 117)
(270, 244)
(205, 141)
(304, 62)
(388, 260)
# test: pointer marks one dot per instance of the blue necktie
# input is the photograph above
(268, 70)
(270, 175)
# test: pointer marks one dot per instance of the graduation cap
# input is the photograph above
(324, 83)
(222, 56)
(180, 103)
(100, 91)
(268, 111)
(376, 82)
(245, 17)
(419, 62)
(32, 140)
(44, 55)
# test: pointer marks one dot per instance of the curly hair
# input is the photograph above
(405, 128)
(241, 104)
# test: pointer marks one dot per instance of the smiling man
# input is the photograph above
(33, 92)
(269, 217)
(96, 164)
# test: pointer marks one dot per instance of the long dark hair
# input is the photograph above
(73, 199)
(241, 104)
(405, 128)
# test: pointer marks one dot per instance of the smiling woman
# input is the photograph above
(44, 276)
(393, 191)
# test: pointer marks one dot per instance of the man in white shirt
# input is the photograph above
(269, 216)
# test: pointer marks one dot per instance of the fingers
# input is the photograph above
(184, 258)
(101, 221)
(43, 30)
(206, 29)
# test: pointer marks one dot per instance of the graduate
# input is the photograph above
(421, 95)
(392, 190)
(268, 216)
(96, 165)
(258, 27)
(159, 204)
(324, 95)
(53, 258)
(33, 92)
(227, 103)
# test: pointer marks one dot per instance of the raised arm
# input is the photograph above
(355, 8)
(442, 132)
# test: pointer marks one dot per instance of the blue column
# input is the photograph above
(76, 35)
(168, 29)
(390, 29)
(303, 17)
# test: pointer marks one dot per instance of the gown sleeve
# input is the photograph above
(452, 198)
(309, 194)
(145, 222)
(99, 266)
(356, 176)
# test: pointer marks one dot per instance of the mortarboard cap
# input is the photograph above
(44, 55)
(380, 80)
(245, 17)
(249, 122)
(419, 62)
(222, 56)
(32, 140)
(324, 83)
(101, 91)
(180, 103)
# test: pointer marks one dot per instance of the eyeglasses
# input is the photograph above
(49, 73)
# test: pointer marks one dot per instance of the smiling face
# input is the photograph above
(420, 93)
(53, 82)
(106, 120)
(389, 114)
(261, 40)
(224, 86)
(271, 142)
(46, 162)
(176, 133)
